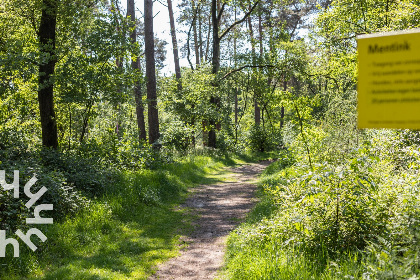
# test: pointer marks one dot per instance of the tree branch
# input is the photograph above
(221, 12)
(239, 21)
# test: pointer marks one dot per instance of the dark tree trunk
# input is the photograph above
(150, 72)
(174, 45)
(282, 108)
(216, 39)
(47, 34)
(138, 97)
(215, 67)
(236, 116)
(85, 122)
(135, 64)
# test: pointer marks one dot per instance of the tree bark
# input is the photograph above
(208, 39)
(200, 35)
(196, 47)
(282, 107)
(216, 40)
(236, 89)
(150, 73)
(174, 45)
(260, 30)
(47, 39)
(138, 97)
(215, 67)
(135, 64)
(257, 110)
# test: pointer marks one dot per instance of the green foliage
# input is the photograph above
(260, 139)
(358, 218)
(124, 233)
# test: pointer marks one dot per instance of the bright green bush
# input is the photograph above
(353, 217)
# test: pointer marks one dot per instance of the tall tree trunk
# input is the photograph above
(200, 35)
(208, 39)
(135, 64)
(47, 34)
(216, 39)
(236, 88)
(174, 45)
(282, 107)
(138, 97)
(150, 72)
(260, 30)
(196, 47)
(257, 111)
(215, 68)
(119, 62)
(85, 121)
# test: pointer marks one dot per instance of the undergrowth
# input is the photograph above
(109, 223)
(352, 218)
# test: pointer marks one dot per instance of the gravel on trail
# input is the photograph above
(220, 208)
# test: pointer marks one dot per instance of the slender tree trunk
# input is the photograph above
(174, 45)
(236, 116)
(85, 121)
(138, 97)
(260, 30)
(236, 89)
(200, 35)
(257, 110)
(150, 72)
(47, 35)
(208, 40)
(135, 64)
(216, 40)
(119, 62)
(215, 68)
(282, 108)
(69, 139)
(196, 47)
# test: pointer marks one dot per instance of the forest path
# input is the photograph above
(220, 208)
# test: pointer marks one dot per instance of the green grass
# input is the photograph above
(125, 234)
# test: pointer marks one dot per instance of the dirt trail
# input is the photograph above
(221, 207)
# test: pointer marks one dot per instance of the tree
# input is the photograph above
(150, 72)
(47, 61)
(174, 45)
(135, 64)
(216, 19)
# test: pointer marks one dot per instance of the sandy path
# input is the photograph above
(220, 207)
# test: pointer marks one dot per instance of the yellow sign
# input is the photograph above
(389, 80)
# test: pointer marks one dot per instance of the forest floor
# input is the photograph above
(220, 208)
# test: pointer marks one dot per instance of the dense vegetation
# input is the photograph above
(85, 107)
